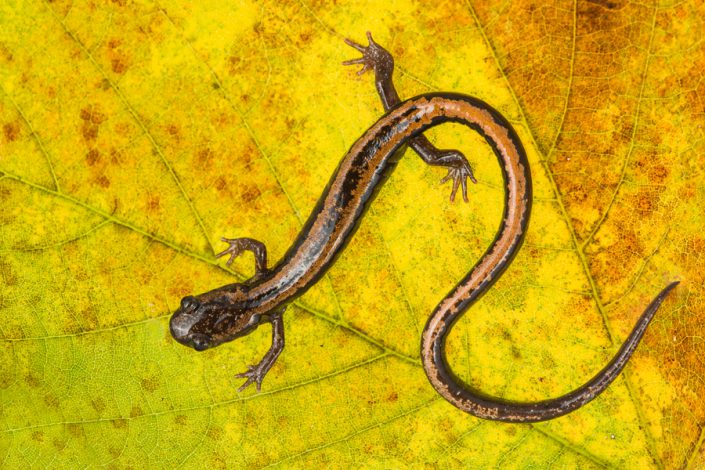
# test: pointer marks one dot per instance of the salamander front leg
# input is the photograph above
(377, 58)
(238, 245)
(255, 374)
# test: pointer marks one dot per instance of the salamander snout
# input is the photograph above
(207, 320)
(183, 320)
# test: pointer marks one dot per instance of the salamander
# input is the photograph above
(232, 311)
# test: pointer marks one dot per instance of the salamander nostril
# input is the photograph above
(189, 303)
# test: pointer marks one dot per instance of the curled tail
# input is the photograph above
(524, 412)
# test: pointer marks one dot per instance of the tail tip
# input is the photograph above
(669, 288)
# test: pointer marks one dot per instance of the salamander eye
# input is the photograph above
(189, 303)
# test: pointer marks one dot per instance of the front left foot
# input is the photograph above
(374, 57)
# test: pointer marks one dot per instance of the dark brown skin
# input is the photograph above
(232, 311)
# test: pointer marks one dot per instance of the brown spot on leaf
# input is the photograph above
(58, 444)
(93, 114)
(283, 421)
(7, 273)
(153, 203)
(204, 158)
(80, 273)
(220, 183)
(578, 225)
(11, 130)
(181, 420)
(658, 173)
(173, 130)
(145, 276)
(235, 63)
(51, 400)
(305, 37)
(119, 423)
(89, 131)
(5, 52)
(76, 430)
(579, 194)
(98, 404)
(118, 65)
(103, 181)
(645, 202)
(32, 381)
(149, 384)
(215, 433)
(92, 157)
(38, 436)
(250, 193)
(92, 118)
(89, 318)
(115, 156)
(516, 352)
(686, 193)
(136, 411)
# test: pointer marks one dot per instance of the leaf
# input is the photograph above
(135, 135)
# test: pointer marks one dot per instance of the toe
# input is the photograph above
(361, 60)
(447, 177)
(355, 45)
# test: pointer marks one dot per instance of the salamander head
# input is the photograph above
(213, 318)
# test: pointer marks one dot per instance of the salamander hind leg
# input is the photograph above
(459, 170)
(238, 245)
(378, 59)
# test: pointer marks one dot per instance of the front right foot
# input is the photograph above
(238, 245)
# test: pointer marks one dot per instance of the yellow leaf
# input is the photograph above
(136, 134)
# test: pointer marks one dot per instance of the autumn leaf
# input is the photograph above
(136, 134)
